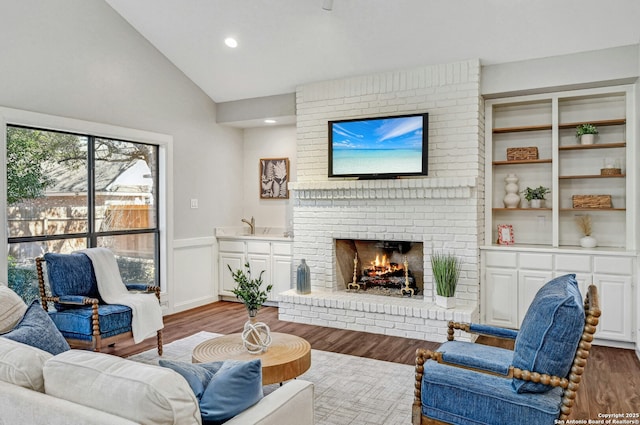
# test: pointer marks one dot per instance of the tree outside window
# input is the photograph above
(68, 191)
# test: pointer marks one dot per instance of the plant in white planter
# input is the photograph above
(586, 133)
(535, 196)
(446, 271)
(584, 224)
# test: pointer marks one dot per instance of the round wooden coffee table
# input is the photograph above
(287, 357)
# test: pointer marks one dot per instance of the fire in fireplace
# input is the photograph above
(393, 268)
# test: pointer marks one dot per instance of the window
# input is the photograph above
(70, 191)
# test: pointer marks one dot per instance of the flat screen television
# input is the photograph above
(380, 147)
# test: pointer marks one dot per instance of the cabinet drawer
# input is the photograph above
(232, 246)
(282, 249)
(613, 265)
(500, 259)
(573, 263)
(536, 261)
(258, 247)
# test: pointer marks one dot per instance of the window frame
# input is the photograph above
(164, 228)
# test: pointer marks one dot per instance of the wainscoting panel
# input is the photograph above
(194, 271)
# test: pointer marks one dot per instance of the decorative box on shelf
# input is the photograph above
(518, 154)
(610, 171)
(591, 201)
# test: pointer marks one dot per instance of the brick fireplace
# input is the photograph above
(439, 212)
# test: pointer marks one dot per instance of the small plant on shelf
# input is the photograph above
(584, 224)
(583, 129)
(537, 193)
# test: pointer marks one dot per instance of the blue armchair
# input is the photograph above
(536, 383)
(82, 317)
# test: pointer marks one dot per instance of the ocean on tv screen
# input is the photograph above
(377, 161)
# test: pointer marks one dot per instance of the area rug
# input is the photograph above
(348, 389)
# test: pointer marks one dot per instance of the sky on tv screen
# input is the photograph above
(392, 145)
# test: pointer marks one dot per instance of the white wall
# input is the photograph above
(618, 65)
(267, 142)
(79, 59)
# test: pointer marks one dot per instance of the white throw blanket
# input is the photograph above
(147, 314)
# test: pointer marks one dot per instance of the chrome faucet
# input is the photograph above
(251, 224)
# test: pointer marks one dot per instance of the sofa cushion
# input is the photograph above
(76, 322)
(224, 389)
(550, 332)
(38, 330)
(142, 393)
(12, 308)
(461, 396)
(477, 356)
(21, 364)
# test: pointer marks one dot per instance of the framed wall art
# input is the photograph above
(505, 234)
(274, 178)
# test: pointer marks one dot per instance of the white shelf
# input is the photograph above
(568, 168)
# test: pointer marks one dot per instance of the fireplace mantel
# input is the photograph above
(431, 187)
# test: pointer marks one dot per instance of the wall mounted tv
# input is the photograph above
(380, 147)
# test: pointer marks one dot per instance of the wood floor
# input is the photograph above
(611, 383)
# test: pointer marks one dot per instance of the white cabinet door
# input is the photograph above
(235, 260)
(258, 263)
(281, 273)
(529, 282)
(500, 295)
(616, 320)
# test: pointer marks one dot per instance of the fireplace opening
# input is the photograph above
(391, 268)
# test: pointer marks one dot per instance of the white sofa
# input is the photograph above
(36, 387)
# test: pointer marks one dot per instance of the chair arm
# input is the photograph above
(143, 287)
(138, 287)
(422, 355)
(479, 329)
(543, 378)
(75, 300)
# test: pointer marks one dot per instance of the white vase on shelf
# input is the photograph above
(587, 139)
(511, 199)
(588, 242)
(536, 203)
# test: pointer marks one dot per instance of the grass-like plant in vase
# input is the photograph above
(256, 336)
(584, 224)
(535, 196)
(446, 271)
(586, 133)
(249, 290)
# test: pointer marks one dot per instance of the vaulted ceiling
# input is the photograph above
(285, 43)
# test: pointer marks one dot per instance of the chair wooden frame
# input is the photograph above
(97, 342)
(570, 385)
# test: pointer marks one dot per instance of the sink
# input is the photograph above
(245, 231)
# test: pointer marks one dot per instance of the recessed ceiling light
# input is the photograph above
(231, 42)
(269, 121)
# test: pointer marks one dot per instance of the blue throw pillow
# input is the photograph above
(550, 332)
(38, 330)
(197, 375)
(224, 389)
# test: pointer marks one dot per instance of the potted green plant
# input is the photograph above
(446, 271)
(535, 196)
(249, 290)
(586, 133)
